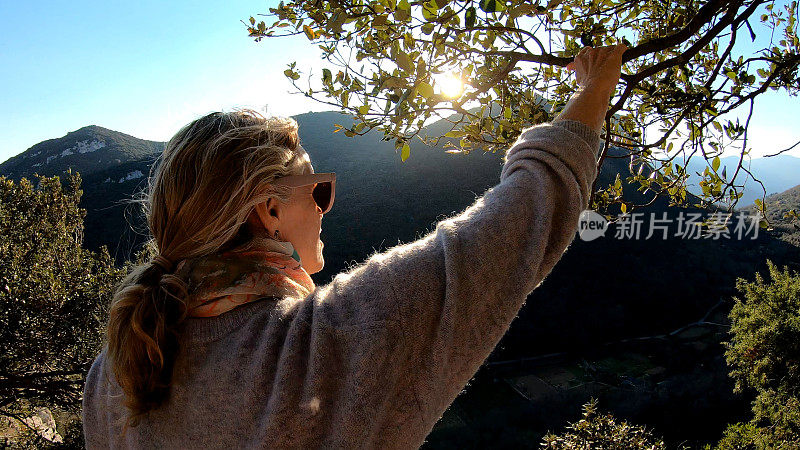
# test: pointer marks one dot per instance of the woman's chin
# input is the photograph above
(313, 270)
(317, 265)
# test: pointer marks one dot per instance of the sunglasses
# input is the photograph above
(324, 189)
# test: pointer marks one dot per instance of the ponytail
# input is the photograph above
(142, 335)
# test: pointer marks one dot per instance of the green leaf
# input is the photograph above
(405, 153)
(469, 17)
(403, 11)
(715, 163)
(404, 62)
(425, 89)
(363, 109)
(430, 10)
(379, 21)
(491, 6)
(291, 74)
(326, 76)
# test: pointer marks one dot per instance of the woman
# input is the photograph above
(234, 347)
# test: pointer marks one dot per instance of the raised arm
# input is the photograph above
(404, 332)
(437, 307)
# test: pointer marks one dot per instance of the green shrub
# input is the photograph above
(764, 356)
(602, 431)
(54, 296)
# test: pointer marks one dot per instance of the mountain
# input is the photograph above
(777, 173)
(777, 206)
(113, 218)
(86, 150)
(113, 166)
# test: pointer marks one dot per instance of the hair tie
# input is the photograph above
(163, 262)
(170, 280)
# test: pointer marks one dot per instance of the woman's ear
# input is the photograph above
(267, 213)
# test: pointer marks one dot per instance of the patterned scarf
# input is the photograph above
(263, 267)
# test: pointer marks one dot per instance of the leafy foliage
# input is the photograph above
(53, 295)
(597, 430)
(738, 436)
(764, 355)
(494, 67)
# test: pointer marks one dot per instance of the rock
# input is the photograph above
(44, 424)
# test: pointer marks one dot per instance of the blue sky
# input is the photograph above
(146, 68)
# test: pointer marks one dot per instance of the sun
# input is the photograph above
(449, 84)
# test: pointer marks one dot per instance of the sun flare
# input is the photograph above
(451, 86)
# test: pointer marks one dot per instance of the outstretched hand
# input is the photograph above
(598, 68)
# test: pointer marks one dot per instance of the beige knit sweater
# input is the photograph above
(375, 357)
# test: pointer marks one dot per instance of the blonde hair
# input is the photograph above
(200, 193)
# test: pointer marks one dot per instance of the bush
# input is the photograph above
(764, 356)
(54, 296)
(602, 431)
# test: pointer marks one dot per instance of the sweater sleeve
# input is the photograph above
(421, 318)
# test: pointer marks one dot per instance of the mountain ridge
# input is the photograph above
(107, 147)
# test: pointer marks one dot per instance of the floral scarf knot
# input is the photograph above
(263, 267)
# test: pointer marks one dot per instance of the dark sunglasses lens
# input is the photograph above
(322, 195)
